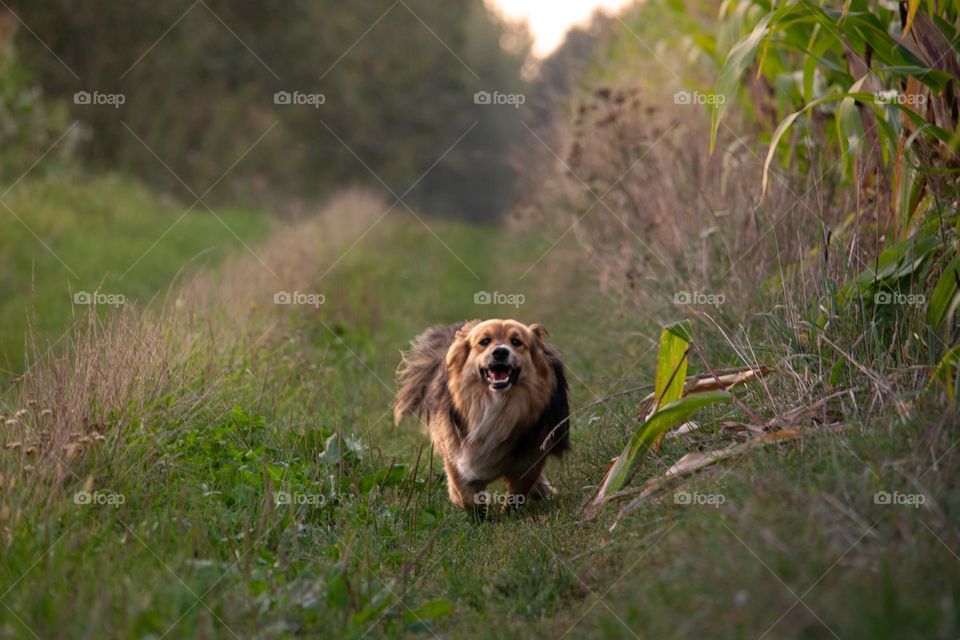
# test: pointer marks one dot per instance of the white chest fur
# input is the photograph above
(479, 459)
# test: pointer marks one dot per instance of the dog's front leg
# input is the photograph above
(463, 493)
(520, 485)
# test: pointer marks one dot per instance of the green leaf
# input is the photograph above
(855, 94)
(946, 295)
(896, 261)
(651, 430)
(384, 477)
(790, 119)
(850, 132)
(276, 472)
(817, 47)
(333, 453)
(429, 611)
(672, 362)
(774, 140)
(740, 57)
(946, 373)
(681, 329)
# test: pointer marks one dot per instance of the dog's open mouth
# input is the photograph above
(499, 376)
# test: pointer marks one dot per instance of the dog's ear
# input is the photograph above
(538, 350)
(465, 329)
(460, 347)
(539, 330)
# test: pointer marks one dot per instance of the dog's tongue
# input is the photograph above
(499, 376)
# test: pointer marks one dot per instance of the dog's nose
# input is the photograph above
(500, 353)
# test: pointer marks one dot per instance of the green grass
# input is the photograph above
(790, 541)
(67, 233)
(199, 547)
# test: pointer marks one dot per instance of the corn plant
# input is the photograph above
(671, 407)
(876, 82)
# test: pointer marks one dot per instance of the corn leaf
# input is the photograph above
(649, 432)
(672, 362)
(850, 133)
(946, 295)
(946, 373)
(740, 57)
(912, 6)
(868, 98)
(896, 261)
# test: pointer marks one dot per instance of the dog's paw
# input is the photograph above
(544, 490)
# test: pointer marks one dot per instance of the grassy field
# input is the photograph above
(184, 535)
(216, 457)
(69, 234)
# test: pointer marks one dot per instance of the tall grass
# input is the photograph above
(827, 188)
(121, 384)
(102, 233)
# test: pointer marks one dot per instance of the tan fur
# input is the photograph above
(484, 434)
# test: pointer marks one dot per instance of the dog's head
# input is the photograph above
(500, 355)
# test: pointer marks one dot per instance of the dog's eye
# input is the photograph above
(516, 342)
(484, 342)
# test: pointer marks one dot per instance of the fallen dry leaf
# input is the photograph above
(697, 460)
(703, 382)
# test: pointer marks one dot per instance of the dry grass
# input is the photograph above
(657, 216)
(135, 371)
(648, 204)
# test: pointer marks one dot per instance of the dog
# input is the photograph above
(495, 399)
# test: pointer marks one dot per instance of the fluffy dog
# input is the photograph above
(493, 394)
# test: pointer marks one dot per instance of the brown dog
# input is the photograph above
(493, 393)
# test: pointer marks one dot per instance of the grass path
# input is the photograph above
(200, 548)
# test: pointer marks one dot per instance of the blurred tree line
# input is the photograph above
(199, 78)
(29, 124)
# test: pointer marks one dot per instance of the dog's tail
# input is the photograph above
(420, 366)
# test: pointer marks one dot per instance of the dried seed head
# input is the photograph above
(71, 450)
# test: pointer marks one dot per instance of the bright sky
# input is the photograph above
(550, 19)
